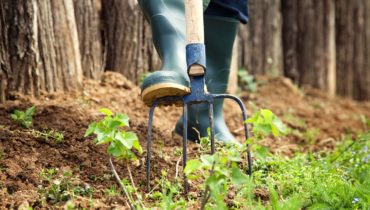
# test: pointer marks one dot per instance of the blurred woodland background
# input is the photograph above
(50, 45)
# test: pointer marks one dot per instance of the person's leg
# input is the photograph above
(221, 21)
(167, 20)
(168, 27)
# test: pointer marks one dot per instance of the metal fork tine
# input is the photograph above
(246, 131)
(184, 144)
(211, 125)
(149, 143)
(198, 95)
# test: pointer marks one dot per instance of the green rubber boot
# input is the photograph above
(167, 20)
(220, 34)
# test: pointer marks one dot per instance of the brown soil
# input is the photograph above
(23, 155)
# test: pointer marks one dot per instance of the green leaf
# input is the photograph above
(238, 177)
(264, 129)
(281, 128)
(215, 182)
(113, 124)
(126, 138)
(115, 150)
(137, 146)
(235, 156)
(262, 151)
(14, 117)
(30, 111)
(103, 138)
(91, 129)
(19, 115)
(207, 160)
(123, 119)
(192, 166)
(254, 118)
(106, 111)
(249, 140)
(27, 124)
(267, 114)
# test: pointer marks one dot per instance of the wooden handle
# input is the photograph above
(194, 21)
(194, 29)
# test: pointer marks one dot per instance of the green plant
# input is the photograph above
(265, 122)
(50, 135)
(335, 180)
(221, 171)
(70, 205)
(246, 81)
(109, 131)
(168, 195)
(311, 135)
(111, 191)
(61, 188)
(24, 118)
(121, 144)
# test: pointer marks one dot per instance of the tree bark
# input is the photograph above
(87, 13)
(260, 44)
(353, 40)
(130, 50)
(308, 32)
(39, 47)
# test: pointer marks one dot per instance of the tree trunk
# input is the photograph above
(308, 34)
(39, 47)
(353, 40)
(87, 13)
(260, 44)
(130, 50)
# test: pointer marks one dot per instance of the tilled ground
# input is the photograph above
(318, 122)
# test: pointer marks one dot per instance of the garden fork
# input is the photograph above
(196, 62)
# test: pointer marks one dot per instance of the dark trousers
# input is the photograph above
(237, 9)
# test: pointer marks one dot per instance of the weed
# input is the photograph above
(169, 196)
(178, 152)
(338, 180)
(24, 118)
(265, 122)
(61, 188)
(111, 192)
(70, 205)
(53, 135)
(311, 135)
(221, 171)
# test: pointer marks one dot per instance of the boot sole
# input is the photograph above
(150, 94)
